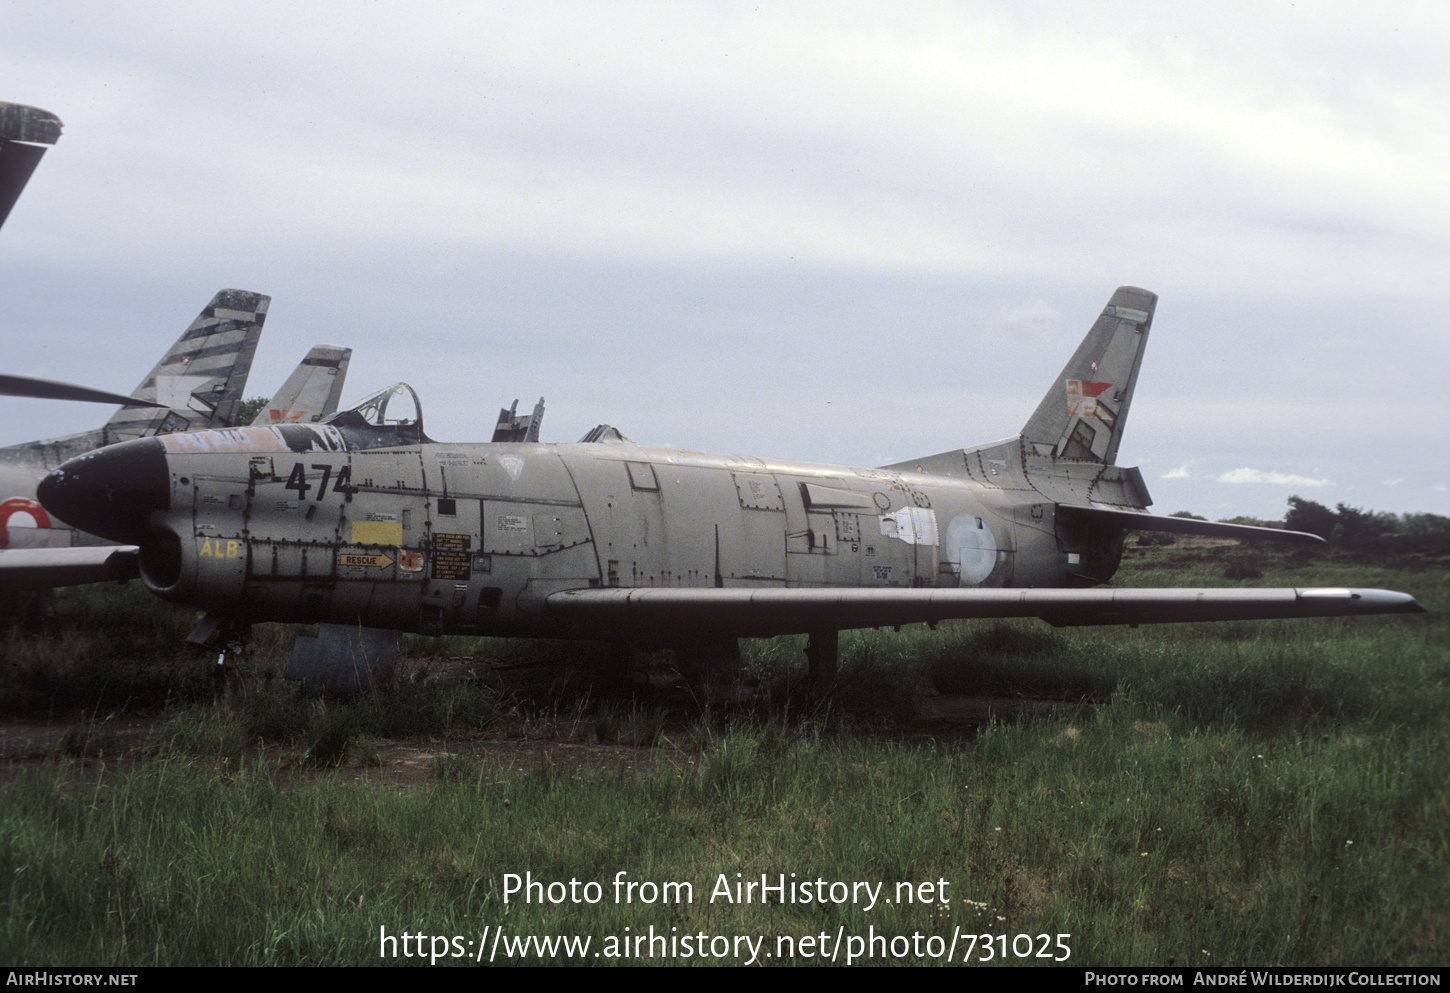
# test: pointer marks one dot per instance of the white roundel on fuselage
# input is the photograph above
(971, 549)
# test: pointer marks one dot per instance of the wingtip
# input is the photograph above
(1370, 601)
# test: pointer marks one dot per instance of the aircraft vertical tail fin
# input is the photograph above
(313, 389)
(201, 379)
(1083, 414)
(1060, 474)
(1067, 451)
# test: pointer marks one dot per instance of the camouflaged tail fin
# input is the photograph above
(202, 377)
(1083, 413)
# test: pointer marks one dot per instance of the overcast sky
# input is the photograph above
(837, 232)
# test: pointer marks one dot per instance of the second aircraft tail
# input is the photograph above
(312, 391)
(201, 378)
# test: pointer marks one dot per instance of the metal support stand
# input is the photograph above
(823, 656)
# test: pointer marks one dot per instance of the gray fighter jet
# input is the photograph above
(364, 524)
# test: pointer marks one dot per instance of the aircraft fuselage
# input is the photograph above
(289, 525)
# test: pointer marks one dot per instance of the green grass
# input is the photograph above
(1253, 794)
(1147, 842)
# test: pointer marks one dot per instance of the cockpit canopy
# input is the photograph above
(389, 417)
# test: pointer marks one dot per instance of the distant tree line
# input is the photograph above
(1348, 524)
(1344, 524)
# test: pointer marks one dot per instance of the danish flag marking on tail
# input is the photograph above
(1082, 397)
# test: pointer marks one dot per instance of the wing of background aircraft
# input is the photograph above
(50, 389)
(24, 133)
(312, 391)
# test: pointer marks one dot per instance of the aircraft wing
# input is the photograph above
(765, 613)
(50, 389)
(40, 568)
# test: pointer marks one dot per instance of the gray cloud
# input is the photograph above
(848, 233)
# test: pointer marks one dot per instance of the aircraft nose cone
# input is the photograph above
(112, 491)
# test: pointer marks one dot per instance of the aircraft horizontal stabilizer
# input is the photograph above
(766, 613)
(1135, 520)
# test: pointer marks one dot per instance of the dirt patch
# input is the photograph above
(411, 761)
(120, 743)
(28, 741)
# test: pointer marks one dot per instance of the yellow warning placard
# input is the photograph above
(377, 532)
